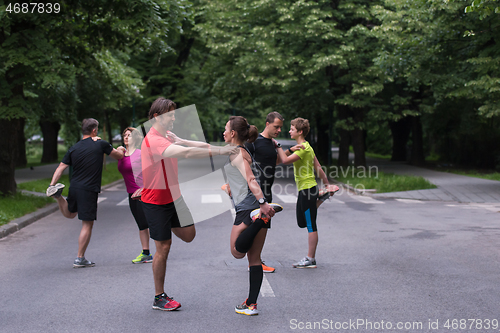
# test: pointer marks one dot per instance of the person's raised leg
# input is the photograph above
(160, 264)
(186, 234)
(84, 238)
(235, 233)
(63, 207)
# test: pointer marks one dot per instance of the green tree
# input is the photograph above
(43, 51)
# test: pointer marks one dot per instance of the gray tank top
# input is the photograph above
(243, 198)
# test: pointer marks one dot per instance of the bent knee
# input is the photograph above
(237, 254)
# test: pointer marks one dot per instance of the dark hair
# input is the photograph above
(301, 124)
(245, 131)
(88, 125)
(272, 116)
(135, 134)
(160, 106)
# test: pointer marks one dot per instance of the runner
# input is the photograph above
(163, 205)
(86, 157)
(130, 168)
(265, 155)
(247, 235)
(304, 163)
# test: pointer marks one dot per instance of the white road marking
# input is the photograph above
(265, 289)
(409, 201)
(211, 198)
(124, 202)
(287, 198)
(367, 200)
(101, 199)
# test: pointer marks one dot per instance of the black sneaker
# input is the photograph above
(165, 303)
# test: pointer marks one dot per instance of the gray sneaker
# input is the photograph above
(306, 263)
(82, 262)
(55, 190)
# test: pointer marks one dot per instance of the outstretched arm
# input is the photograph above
(57, 174)
(117, 153)
(176, 151)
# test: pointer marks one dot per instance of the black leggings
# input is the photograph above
(306, 209)
(136, 209)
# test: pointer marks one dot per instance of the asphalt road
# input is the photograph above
(380, 262)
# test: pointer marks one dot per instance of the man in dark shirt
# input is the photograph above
(86, 158)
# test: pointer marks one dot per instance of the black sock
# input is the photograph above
(245, 239)
(145, 252)
(256, 275)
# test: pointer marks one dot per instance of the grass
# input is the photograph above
(382, 182)
(12, 207)
(34, 153)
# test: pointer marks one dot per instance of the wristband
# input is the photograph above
(290, 150)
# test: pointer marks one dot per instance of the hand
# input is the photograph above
(228, 150)
(95, 138)
(297, 147)
(226, 189)
(174, 138)
(267, 210)
(122, 149)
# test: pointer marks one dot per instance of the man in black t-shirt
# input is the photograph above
(264, 153)
(86, 158)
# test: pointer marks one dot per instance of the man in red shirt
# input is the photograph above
(163, 205)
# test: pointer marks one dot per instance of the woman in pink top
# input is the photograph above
(131, 170)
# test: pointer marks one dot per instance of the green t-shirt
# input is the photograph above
(303, 169)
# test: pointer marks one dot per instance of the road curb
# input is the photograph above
(26, 220)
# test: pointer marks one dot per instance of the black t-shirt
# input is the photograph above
(86, 157)
(265, 154)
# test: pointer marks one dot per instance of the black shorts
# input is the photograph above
(162, 218)
(306, 209)
(84, 202)
(243, 216)
(137, 212)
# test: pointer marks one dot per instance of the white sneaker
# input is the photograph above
(55, 190)
(306, 263)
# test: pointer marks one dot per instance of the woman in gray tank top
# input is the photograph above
(247, 236)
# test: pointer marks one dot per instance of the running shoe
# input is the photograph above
(265, 269)
(255, 214)
(55, 191)
(306, 263)
(165, 303)
(249, 310)
(327, 192)
(142, 258)
(82, 262)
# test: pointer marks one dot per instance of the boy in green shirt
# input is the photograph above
(304, 163)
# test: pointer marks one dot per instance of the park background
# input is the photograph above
(414, 81)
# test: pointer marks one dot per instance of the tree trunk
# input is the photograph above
(400, 134)
(8, 154)
(358, 144)
(322, 145)
(417, 148)
(21, 160)
(50, 130)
